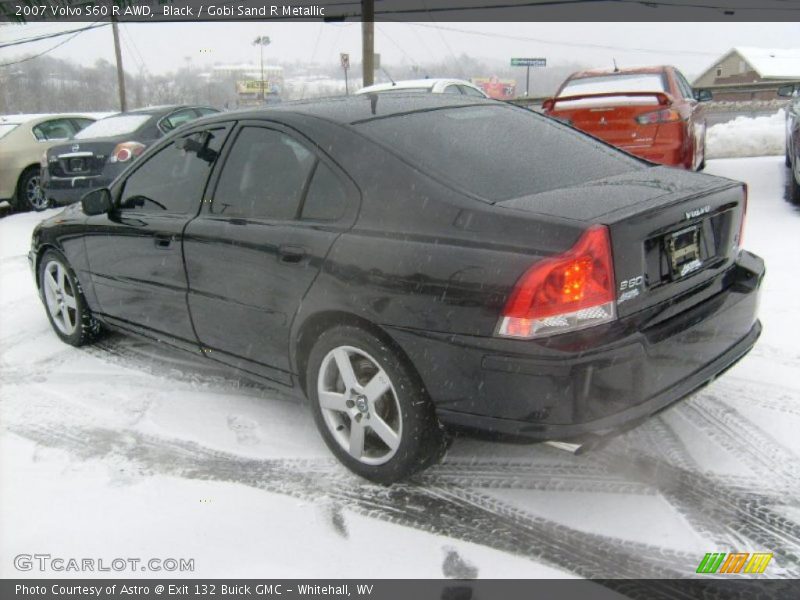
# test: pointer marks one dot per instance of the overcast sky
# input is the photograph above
(161, 47)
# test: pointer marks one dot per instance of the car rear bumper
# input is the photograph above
(592, 382)
(66, 190)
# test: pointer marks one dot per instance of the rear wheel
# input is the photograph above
(372, 412)
(794, 184)
(29, 191)
(66, 307)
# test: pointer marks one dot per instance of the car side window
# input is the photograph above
(452, 89)
(265, 176)
(173, 180)
(79, 124)
(326, 199)
(57, 129)
(205, 110)
(684, 86)
(177, 119)
(469, 91)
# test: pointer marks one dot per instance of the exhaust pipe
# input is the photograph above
(592, 443)
(566, 446)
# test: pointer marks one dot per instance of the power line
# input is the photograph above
(61, 43)
(727, 10)
(52, 35)
(555, 42)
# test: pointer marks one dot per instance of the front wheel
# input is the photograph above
(371, 410)
(66, 307)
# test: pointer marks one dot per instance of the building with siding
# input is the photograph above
(750, 73)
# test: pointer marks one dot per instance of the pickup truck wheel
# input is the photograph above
(371, 410)
(64, 303)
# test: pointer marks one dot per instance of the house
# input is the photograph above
(750, 73)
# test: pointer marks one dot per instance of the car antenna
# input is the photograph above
(616, 68)
(385, 72)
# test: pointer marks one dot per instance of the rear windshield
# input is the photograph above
(633, 82)
(6, 128)
(112, 126)
(498, 152)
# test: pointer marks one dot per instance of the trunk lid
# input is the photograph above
(671, 230)
(611, 117)
(80, 158)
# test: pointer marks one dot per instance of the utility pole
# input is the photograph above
(368, 41)
(123, 102)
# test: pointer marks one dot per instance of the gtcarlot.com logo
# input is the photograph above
(57, 564)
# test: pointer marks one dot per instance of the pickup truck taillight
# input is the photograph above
(126, 151)
(567, 292)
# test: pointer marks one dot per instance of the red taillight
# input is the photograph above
(740, 241)
(564, 293)
(125, 151)
(667, 115)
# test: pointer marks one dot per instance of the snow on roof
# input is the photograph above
(780, 63)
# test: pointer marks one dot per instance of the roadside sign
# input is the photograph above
(345, 58)
(528, 62)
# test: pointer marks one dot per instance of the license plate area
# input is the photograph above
(77, 165)
(683, 251)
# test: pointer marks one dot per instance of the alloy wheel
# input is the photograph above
(59, 295)
(359, 405)
(34, 193)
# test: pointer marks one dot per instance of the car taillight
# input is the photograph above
(571, 291)
(667, 115)
(125, 151)
(740, 241)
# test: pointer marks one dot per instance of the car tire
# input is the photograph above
(370, 407)
(29, 194)
(794, 186)
(702, 165)
(64, 302)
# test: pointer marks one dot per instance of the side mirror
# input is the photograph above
(97, 202)
(703, 95)
(787, 91)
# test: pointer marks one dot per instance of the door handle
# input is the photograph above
(291, 254)
(163, 240)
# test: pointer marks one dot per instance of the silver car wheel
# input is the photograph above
(60, 297)
(359, 405)
(35, 195)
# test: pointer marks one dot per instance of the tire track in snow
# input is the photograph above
(444, 510)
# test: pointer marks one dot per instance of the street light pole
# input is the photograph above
(261, 41)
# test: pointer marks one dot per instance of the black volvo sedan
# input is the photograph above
(414, 264)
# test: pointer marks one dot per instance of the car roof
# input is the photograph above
(35, 119)
(154, 110)
(626, 71)
(426, 83)
(360, 107)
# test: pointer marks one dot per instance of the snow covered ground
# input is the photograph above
(748, 136)
(126, 449)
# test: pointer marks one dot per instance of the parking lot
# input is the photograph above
(169, 456)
